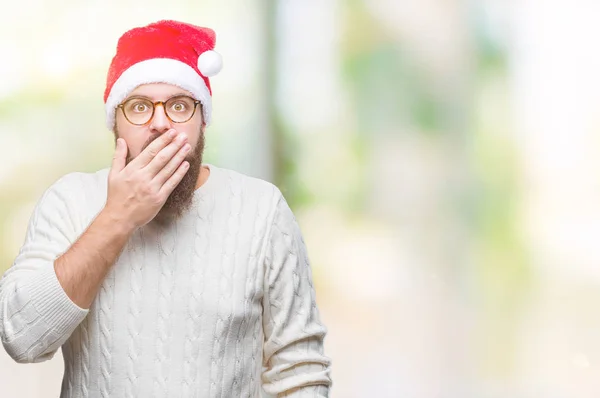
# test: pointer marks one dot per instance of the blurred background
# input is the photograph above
(442, 158)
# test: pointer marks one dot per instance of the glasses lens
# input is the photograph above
(180, 109)
(138, 110)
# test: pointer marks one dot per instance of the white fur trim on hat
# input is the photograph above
(158, 70)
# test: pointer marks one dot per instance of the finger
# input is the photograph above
(166, 172)
(153, 149)
(175, 179)
(165, 155)
(120, 156)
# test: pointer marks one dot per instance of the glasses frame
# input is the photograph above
(154, 104)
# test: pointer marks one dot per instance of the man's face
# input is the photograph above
(139, 137)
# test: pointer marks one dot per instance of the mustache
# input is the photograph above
(149, 141)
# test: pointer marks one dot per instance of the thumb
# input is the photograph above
(120, 156)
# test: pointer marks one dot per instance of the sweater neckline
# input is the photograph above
(210, 181)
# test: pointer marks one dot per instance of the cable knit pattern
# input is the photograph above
(264, 207)
(249, 297)
(104, 304)
(84, 331)
(166, 285)
(226, 274)
(219, 303)
(69, 359)
(134, 314)
(201, 251)
(84, 335)
(292, 329)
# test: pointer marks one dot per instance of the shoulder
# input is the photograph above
(249, 187)
(79, 184)
(80, 194)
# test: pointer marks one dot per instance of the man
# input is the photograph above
(164, 276)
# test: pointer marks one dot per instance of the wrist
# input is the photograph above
(115, 220)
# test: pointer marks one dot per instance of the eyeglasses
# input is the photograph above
(140, 110)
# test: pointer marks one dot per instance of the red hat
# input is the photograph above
(163, 52)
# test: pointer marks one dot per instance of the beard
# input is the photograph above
(180, 199)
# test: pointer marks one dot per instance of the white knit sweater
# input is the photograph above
(220, 304)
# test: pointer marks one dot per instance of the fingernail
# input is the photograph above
(172, 133)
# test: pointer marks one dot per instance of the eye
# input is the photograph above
(139, 106)
(179, 106)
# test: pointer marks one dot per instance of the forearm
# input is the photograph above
(82, 268)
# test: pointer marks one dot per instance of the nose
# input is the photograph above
(159, 123)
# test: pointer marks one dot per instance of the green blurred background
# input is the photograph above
(442, 158)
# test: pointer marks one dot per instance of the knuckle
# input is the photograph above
(131, 178)
(156, 199)
(151, 193)
(166, 172)
(162, 157)
(169, 185)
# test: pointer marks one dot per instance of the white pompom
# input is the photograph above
(210, 63)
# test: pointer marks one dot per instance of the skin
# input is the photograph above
(148, 164)
(137, 136)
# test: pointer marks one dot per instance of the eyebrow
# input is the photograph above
(150, 99)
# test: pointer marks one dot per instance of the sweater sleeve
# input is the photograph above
(36, 315)
(294, 363)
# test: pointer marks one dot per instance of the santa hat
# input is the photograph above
(163, 52)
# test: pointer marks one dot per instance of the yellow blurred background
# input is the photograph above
(442, 158)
